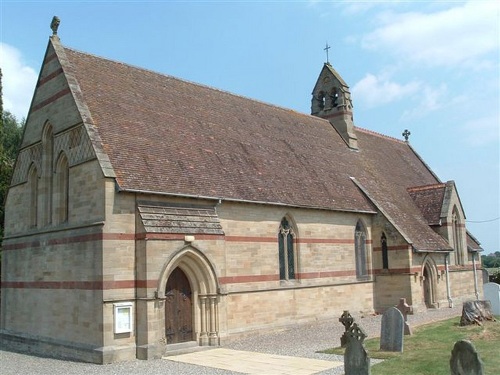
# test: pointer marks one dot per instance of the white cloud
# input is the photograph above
(374, 91)
(460, 35)
(18, 81)
(428, 99)
(481, 131)
(355, 7)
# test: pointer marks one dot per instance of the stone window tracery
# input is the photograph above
(385, 254)
(286, 238)
(33, 196)
(360, 250)
(45, 188)
(457, 238)
(61, 190)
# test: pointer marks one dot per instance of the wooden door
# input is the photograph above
(178, 308)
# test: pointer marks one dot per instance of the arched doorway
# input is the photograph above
(429, 286)
(178, 308)
(188, 284)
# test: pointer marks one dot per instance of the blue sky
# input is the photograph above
(430, 67)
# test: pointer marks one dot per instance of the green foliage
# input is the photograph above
(495, 277)
(10, 139)
(491, 260)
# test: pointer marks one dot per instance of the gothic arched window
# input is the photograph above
(33, 196)
(46, 175)
(61, 187)
(385, 255)
(360, 250)
(457, 238)
(286, 251)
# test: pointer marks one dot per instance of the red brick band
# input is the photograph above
(53, 98)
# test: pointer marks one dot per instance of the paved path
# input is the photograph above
(286, 351)
(256, 363)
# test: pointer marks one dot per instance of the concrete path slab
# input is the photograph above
(254, 363)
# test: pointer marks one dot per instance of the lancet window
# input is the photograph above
(457, 238)
(360, 250)
(385, 253)
(286, 241)
(61, 187)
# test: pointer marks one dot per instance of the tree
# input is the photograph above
(10, 139)
(491, 260)
(495, 277)
(11, 132)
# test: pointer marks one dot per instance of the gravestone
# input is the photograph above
(405, 310)
(465, 360)
(392, 330)
(356, 360)
(492, 294)
(346, 319)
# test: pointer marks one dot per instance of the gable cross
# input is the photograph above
(326, 49)
(406, 134)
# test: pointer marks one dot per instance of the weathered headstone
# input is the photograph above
(392, 330)
(405, 310)
(492, 294)
(346, 319)
(474, 312)
(465, 359)
(356, 360)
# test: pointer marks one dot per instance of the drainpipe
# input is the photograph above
(448, 293)
(475, 274)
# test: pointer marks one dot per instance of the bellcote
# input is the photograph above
(331, 100)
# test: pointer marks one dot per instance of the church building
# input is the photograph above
(147, 212)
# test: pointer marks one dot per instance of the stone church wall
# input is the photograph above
(52, 274)
(51, 295)
(462, 285)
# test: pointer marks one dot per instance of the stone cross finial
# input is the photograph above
(54, 25)
(355, 332)
(406, 134)
(346, 319)
(327, 47)
(405, 310)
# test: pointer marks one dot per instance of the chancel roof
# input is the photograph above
(429, 199)
(170, 136)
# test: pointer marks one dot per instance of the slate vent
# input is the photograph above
(159, 218)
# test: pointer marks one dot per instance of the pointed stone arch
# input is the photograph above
(204, 284)
(429, 283)
(33, 196)
(288, 252)
(61, 189)
(457, 229)
(361, 252)
(46, 172)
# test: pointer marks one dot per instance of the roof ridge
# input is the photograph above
(285, 109)
(372, 132)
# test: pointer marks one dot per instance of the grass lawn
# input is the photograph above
(428, 350)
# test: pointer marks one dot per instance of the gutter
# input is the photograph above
(220, 200)
(438, 251)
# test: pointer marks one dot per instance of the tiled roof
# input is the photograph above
(429, 199)
(170, 136)
(472, 243)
